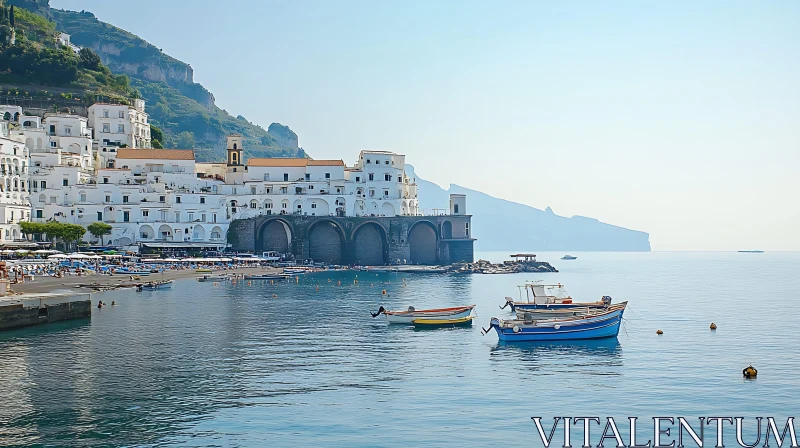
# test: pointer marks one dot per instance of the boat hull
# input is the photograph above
(444, 323)
(406, 317)
(554, 306)
(595, 327)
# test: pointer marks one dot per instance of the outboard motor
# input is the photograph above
(607, 300)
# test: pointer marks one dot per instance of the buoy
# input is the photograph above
(383, 292)
(557, 326)
(249, 283)
(274, 296)
(659, 332)
(713, 326)
(750, 371)
(516, 329)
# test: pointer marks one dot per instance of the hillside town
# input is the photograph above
(101, 167)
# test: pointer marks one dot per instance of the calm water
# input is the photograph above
(232, 366)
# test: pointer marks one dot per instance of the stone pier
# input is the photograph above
(33, 309)
(365, 241)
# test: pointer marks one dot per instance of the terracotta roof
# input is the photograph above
(162, 154)
(325, 163)
(297, 162)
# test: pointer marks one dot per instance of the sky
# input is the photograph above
(681, 118)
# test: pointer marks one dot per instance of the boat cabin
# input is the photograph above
(537, 293)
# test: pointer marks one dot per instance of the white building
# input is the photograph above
(14, 186)
(163, 198)
(120, 124)
(64, 39)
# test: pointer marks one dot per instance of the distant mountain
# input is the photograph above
(183, 109)
(499, 224)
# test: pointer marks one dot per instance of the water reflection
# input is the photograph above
(590, 357)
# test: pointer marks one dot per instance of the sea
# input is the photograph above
(303, 363)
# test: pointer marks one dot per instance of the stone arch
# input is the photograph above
(276, 235)
(422, 241)
(447, 230)
(370, 245)
(387, 209)
(373, 208)
(146, 232)
(124, 241)
(325, 242)
(165, 232)
(216, 233)
(27, 124)
(198, 233)
(74, 148)
(29, 142)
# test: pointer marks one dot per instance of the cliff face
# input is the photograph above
(126, 53)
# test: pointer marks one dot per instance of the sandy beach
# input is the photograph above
(101, 282)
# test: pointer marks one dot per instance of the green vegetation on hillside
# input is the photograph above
(36, 57)
(183, 110)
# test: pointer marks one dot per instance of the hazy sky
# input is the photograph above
(678, 118)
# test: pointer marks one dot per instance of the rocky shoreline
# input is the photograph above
(506, 267)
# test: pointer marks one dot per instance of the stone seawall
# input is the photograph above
(27, 310)
(365, 241)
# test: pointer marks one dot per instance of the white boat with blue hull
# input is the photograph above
(592, 326)
(537, 298)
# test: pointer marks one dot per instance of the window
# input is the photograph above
(120, 128)
(105, 113)
(455, 209)
(327, 175)
(68, 130)
(145, 213)
(126, 216)
(252, 190)
(65, 182)
(35, 186)
(105, 180)
(202, 200)
(125, 199)
(106, 127)
(386, 193)
(371, 176)
(214, 217)
(108, 198)
(177, 199)
(371, 193)
(163, 215)
(387, 177)
(39, 213)
(367, 160)
(203, 217)
(253, 204)
(233, 190)
(286, 177)
(52, 129)
(268, 205)
(284, 204)
(310, 187)
(162, 199)
(52, 144)
(308, 176)
(314, 205)
(99, 216)
(338, 190)
(122, 114)
(466, 228)
(358, 179)
(191, 217)
(82, 197)
(284, 190)
(177, 216)
(269, 190)
(386, 162)
(400, 179)
(299, 206)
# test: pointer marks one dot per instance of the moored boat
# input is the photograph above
(569, 257)
(408, 316)
(157, 285)
(265, 277)
(440, 323)
(212, 278)
(537, 298)
(593, 326)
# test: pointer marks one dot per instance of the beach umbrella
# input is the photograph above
(45, 251)
(78, 256)
(58, 256)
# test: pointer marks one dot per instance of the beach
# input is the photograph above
(45, 284)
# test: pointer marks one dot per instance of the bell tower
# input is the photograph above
(235, 151)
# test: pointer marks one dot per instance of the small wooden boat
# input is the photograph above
(594, 326)
(265, 277)
(556, 313)
(537, 298)
(158, 285)
(212, 278)
(440, 323)
(408, 316)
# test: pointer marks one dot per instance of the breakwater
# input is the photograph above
(507, 267)
(26, 310)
